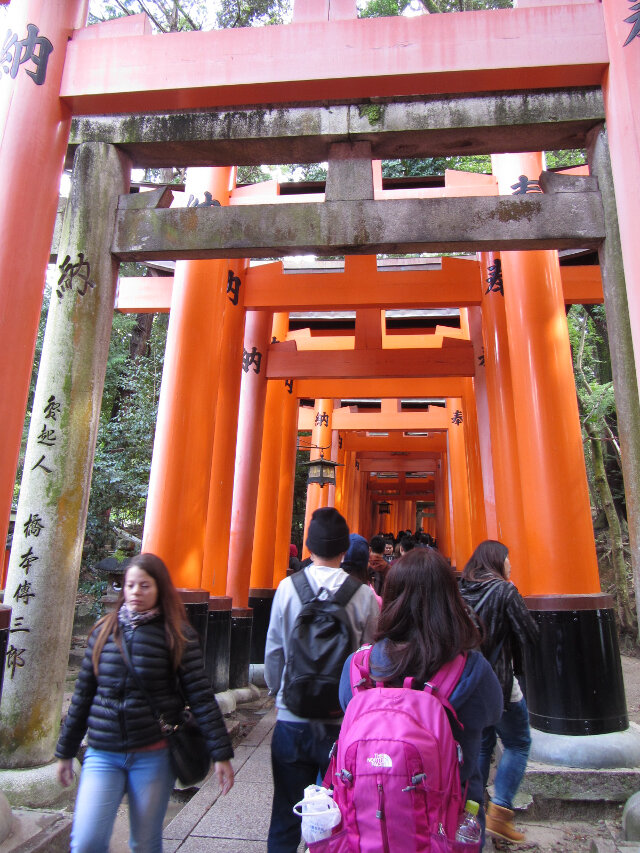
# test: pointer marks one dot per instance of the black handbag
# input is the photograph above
(188, 750)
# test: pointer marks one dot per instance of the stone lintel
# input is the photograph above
(467, 124)
(554, 182)
(507, 223)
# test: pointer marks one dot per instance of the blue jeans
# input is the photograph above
(513, 731)
(147, 779)
(299, 752)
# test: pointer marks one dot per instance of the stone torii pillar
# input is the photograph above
(34, 129)
(54, 494)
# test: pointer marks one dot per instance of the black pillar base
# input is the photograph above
(239, 659)
(574, 680)
(260, 601)
(196, 603)
(5, 622)
(216, 658)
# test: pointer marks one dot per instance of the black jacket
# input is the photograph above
(503, 614)
(115, 711)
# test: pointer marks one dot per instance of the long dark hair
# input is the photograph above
(423, 616)
(169, 602)
(486, 562)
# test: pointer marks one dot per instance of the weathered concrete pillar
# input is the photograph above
(34, 129)
(625, 382)
(54, 495)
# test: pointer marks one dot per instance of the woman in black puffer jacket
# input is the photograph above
(508, 628)
(127, 750)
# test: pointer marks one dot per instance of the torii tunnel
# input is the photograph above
(417, 329)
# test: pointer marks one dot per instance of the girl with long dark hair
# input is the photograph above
(127, 750)
(423, 625)
(508, 627)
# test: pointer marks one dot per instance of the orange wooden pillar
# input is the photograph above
(459, 484)
(262, 561)
(287, 481)
(445, 531)
(502, 419)
(559, 532)
(176, 514)
(474, 316)
(340, 476)
(253, 392)
(477, 516)
(320, 438)
(216, 549)
(34, 129)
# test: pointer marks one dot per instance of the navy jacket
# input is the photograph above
(116, 712)
(477, 701)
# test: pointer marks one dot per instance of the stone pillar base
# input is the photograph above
(37, 787)
(595, 752)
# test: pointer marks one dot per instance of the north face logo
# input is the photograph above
(380, 759)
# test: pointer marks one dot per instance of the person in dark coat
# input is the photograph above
(508, 627)
(127, 750)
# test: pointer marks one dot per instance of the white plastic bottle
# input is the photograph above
(469, 831)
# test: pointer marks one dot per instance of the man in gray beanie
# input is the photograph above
(300, 744)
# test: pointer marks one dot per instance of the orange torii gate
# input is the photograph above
(113, 69)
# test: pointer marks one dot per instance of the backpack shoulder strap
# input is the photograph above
(347, 590)
(359, 670)
(303, 587)
(449, 675)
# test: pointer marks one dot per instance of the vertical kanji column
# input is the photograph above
(54, 494)
(176, 516)
(34, 128)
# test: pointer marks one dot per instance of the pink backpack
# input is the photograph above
(395, 770)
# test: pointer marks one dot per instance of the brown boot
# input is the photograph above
(500, 823)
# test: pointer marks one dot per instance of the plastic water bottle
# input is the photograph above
(469, 831)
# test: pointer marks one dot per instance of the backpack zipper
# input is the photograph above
(381, 817)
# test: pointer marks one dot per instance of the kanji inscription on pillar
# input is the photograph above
(233, 287)
(322, 418)
(524, 185)
(74, 275)
(634, 20)
(251, 358)
(33, 48)
(457, 417)
(495, 282)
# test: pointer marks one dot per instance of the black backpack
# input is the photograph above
(320, 643)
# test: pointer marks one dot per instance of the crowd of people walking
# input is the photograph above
(422, 662)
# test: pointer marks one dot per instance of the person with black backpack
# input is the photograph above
(318, 618)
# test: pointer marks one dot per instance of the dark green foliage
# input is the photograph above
(125, 439)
